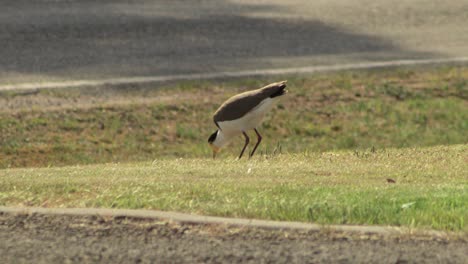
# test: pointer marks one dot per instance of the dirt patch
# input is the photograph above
(60, 239)
(50, 100)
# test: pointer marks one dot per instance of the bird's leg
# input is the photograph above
(247, 140)
(259, 139)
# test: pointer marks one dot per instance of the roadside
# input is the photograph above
(95, 239)
(154, 80)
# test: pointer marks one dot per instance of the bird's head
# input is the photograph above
(212, 140)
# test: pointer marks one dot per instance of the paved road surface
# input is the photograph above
(55, 40)
(77, 239)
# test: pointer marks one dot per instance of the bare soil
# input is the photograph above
(71, 239)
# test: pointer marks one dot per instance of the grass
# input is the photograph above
(330, 149)
(340, 187)
(346, 110)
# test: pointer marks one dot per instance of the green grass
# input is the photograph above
(339, 187)
(346, 110)
(328, 149)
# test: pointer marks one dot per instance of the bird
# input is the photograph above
(244, 112)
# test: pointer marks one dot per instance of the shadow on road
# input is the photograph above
(108, 39)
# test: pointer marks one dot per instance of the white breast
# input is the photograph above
(249, 121)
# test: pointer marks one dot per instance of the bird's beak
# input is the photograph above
(215, 150)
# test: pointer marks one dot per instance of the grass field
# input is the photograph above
(346, 110)
(342, 187)
(331, 150)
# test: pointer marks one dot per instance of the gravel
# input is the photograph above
(35, 238)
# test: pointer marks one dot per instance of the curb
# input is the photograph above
(182, 218)
(227, 74)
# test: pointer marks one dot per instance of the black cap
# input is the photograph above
(212, 138)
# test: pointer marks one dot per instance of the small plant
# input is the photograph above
(184, 132)
(397, 91)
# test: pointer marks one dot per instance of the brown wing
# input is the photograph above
(239, 105)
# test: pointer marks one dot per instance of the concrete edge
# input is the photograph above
(183, 218)
(227, 74)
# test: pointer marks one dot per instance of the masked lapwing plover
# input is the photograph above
(244, 112)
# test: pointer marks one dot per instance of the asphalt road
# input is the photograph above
(77, 239)
(56, 40)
